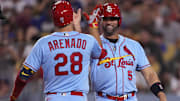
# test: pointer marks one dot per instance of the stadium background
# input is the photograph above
(154, 23)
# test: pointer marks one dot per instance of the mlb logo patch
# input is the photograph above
(66, 34)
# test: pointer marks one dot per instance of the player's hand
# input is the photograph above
(77, 20)
(95, 16)
(12, 98)
(93, 21)
(77, 17)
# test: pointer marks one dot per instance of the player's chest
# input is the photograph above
(119, 56)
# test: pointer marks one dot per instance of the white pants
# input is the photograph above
(100, 98)
(67, 97)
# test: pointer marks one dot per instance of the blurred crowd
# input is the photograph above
(154, 23)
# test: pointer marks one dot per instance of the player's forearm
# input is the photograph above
(77, 27)
(154, 82)
(162, 96)
(18, 87)
(21, 80)
(150, 76)
(94, 32)
(93, 21)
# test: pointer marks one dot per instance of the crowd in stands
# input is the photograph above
(154, 23)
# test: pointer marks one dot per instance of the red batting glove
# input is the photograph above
(94, 18)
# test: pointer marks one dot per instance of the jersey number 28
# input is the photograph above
(65, 61)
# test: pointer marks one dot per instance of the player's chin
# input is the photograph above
(108, 29)
(109, 32)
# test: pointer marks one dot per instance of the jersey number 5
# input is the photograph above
(130, 76)
(73, 63)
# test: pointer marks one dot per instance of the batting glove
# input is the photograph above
(95, 16)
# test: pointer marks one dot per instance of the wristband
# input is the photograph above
(93, 25)
(156, 88)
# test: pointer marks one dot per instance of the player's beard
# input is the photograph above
(110, 30)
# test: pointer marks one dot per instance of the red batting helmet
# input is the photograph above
(111, 10)
(62, 13)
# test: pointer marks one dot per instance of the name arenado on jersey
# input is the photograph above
(67, 43)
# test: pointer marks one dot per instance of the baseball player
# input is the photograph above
(113, 77)
(64, 56)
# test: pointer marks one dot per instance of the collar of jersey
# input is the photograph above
(120, 40)
(61, 34)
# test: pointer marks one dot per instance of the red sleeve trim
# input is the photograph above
(28, 65)
(144, 66)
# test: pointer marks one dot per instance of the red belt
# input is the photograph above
(118, 98)
(72, 93)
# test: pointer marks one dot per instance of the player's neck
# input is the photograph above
(67, 28)
(112, 40)
(115, 36)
